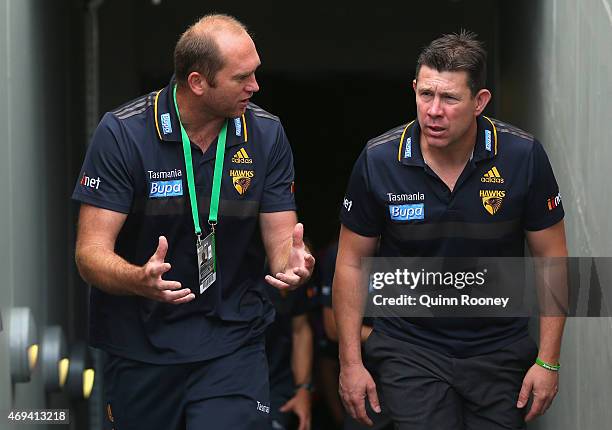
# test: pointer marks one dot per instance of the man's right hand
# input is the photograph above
(154, 287)
(355, 384)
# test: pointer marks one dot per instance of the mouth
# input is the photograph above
(434, 130)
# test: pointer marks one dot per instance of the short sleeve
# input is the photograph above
(543, 207)
(105, 180)
(360, 212)
(278, 184)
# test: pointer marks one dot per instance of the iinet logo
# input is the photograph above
(86, 181)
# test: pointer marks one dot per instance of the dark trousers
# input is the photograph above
(424, 389)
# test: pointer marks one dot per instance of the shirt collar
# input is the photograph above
(486, 139)
(409, 152)
(167, 124)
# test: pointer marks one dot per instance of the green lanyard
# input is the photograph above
(216, 186)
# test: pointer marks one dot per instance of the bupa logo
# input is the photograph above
(238, 126)
(166, 125)
(408, 148)
(160, 189)
(407, 212)
(488, 140)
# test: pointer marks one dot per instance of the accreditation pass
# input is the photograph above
(206, 261)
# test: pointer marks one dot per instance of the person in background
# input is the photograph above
(326, 268)
(289, 347)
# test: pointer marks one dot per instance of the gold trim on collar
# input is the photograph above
(494, 132)
(246, 137)
(156, 122)
(399, 150)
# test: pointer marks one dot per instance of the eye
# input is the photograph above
(242, 78)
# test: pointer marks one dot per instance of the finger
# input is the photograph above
(349, 408)
(301, 272)
(162, 249)
(309, 261)
(169, 285)
(298, 235)
(286, 407)
(277, 283)
(303, 422)
(170, 295)
(360, 411)
(536, 408)
(186, 299)
(547, 404)
(524, 394)
(373, 398)
(157, 270)
(346, 403)
(288, 278)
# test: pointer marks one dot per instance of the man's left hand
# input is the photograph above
(299, 264)
(299, 405)
(543, 384)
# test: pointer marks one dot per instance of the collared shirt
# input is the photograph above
(135, 165)
(505, 189)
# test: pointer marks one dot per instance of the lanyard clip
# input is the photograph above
(212, 225)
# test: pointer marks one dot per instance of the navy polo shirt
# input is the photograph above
(507, 188)
(135, 166)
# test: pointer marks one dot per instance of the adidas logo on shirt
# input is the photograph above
(241, 157)
(492, 176)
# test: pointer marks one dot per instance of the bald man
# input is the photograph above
(184, 192)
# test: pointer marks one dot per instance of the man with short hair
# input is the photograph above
(184, 193)
(453, 183)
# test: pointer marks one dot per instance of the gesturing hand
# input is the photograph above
(153, 287)
(299, 264)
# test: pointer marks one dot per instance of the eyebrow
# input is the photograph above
(245, 74)
(443, 93)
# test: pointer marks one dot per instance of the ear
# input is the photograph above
(482, 100)
(414, 85)
(197, 83)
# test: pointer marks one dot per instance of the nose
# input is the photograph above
(435, 108)
(252, 86)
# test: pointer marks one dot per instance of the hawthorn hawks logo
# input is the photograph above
(492, 200)
(241, 179)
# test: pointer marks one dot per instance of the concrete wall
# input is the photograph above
(37, 119)
(557, 83)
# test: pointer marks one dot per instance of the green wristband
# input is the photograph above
(548, 366)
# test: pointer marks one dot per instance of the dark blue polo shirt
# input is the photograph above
(507, 188)
(135, 166)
